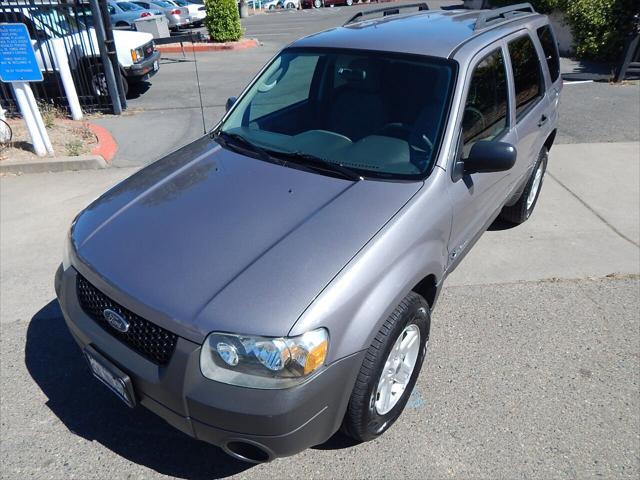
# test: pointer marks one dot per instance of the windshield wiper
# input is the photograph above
(234, 140)
(320, 164)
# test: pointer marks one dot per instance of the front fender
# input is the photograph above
(410, 247)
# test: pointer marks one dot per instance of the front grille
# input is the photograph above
(146, 338)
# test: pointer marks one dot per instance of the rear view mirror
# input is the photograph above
(230, 102)
(487, 157)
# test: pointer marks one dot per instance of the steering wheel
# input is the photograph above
(477, 113)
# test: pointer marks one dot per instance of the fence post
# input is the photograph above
(62, 62)
(110, 43)
(106, 63)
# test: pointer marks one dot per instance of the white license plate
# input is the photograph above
(155, 66)
(114, 378)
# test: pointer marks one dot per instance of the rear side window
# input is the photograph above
(485, 111)
(550, 48)
(526, 73)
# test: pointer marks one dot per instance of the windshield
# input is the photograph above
(380, 114)
(128, 7)
(57, 23)
(162, 4)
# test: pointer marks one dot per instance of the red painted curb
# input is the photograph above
(107, 146)
(208, 47)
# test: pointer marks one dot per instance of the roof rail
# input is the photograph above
(387, 11)
(490, 17)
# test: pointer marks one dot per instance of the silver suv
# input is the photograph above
(272, 282)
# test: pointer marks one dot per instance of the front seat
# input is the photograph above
(358, 110)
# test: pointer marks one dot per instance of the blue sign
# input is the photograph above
(17, 58)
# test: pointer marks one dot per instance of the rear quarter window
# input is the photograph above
(527, 75)
(550, 48)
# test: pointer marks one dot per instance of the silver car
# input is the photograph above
(272, 282)
(176, 16)
(124, 14)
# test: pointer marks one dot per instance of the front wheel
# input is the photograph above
(349, 3)
(522, 209)
(389, 371)
(317, 3)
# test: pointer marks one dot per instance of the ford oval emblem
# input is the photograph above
(116, 320)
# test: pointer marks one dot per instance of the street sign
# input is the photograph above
(17, 58)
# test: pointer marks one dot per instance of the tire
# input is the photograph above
(94, 74)
(290, 5)
(522, 209)
(349, 2)
(122, 24)
(317, 3)
(368, 416)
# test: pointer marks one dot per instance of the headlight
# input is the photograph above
(137, 54)
(261, 362)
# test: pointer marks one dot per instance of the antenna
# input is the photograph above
(195, 62)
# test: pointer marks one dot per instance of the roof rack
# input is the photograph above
(387, 11)
(486, 19)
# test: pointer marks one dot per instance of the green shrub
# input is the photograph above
(223, 20)
(599, 27)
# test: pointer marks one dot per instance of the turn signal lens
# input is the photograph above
(316, 357)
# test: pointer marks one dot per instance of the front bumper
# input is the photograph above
(143, 70)
(278, 422)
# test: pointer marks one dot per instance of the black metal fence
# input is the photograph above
(68, 22)
(630, 67)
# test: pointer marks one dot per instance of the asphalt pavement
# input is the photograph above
(533, 368)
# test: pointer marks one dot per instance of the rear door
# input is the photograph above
(532, 109)
(476, 198)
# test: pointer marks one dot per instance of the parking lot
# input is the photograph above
(533, 367)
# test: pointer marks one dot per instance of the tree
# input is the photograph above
(223, 20)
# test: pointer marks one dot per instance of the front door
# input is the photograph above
(477, 197)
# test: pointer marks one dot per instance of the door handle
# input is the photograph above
(543, 120)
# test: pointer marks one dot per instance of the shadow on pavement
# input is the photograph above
(88, 409)
(585, 70)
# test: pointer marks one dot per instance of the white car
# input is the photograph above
(196, 12)
(136, 52)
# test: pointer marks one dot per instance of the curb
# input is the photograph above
(107, 146)
(207, 47)
(54, 164)
(100, 156)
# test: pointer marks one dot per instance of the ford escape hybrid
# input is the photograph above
(272, 282)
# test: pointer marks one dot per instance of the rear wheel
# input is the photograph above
(389, 371)
(522, 209)
(317, 3)
(349, 3)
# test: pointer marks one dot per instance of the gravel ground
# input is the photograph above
(547, 390)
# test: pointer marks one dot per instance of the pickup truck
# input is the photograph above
(137, 56)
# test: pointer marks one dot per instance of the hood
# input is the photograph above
(130, 39)
(207, 239)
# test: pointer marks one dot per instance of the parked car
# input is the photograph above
(176, 16)
(136, 52)
(196, 12)
(324, 3)
(273, 281)
(123, 14)
(270, 5)
(289, 4)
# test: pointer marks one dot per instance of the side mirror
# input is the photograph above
(487, 157)
(230, 102)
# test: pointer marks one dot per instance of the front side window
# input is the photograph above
(550, 47)
(379, 114)
(485, 111)
(526, 73)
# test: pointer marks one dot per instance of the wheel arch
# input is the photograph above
(550, 139)
(428, 289)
